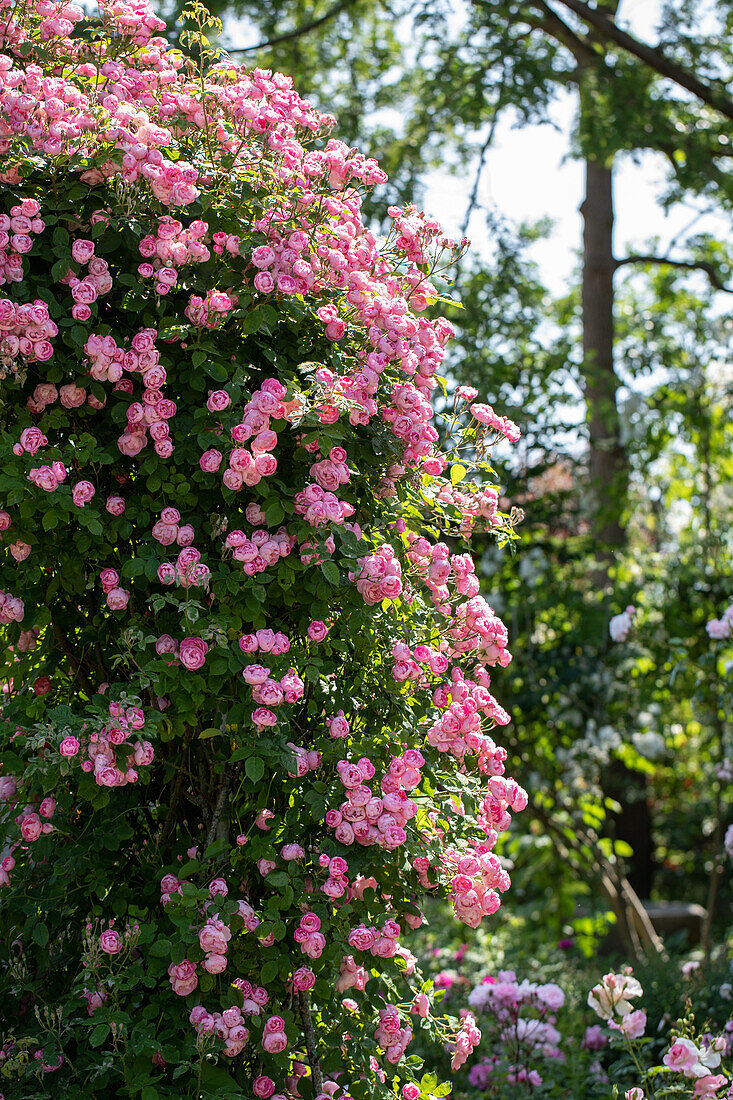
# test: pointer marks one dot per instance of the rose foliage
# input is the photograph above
(248, 718)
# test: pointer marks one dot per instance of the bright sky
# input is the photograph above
(526, 178)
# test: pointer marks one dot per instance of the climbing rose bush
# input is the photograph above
(248, 717)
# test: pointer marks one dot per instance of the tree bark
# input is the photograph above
(608, 466)
(608, 469)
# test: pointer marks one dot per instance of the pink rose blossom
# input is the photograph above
(110, 941)
(192, 653)
(82, 493)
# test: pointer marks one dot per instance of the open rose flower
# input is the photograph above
(110, 941)
(192, 653)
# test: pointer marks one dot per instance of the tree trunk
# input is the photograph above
(608, 466)
(608, 469)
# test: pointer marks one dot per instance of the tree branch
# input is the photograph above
(689, 265)
(552, 24)
(311, 1044)
(652, 56)
(218, 811)
(288, 36)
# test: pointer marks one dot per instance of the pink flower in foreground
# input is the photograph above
(110, 941)
(82, 493)
(682, 1056)
(317, 631)
(192, 653)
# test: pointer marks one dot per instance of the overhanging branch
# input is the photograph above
(652, 56)
(288, 36)
(551, 23)
(689, 265)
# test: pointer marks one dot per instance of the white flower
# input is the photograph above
(612, 996)
(619, 626)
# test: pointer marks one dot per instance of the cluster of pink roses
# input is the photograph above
(407, 662)
(308, 935)
(481, 504)
(15, 238)
(50, 477)
(475, 877)
(367, 818)
(117, 598)
(331, 472)
(468, 1037)
(392, 1037)
(379, 576)
(437, 568)
(306, 760)
(477, 629)
(248, 467)
(351, 975)
(29, 820)
(501, 424)
(261, 549)
(173, 247)
(95, 283)
(168, 529)
(188, 570)
(416, 233)
(696, 1061)
(612, 998)
(341, 254)
(523, 1011)
(70, 395)
(147, 116)
(106, 363)
(318, 506)
(409, 418)
(214, 941)
(265, 641)
(270, 692)
(381, 943)
(337, 883)
(458, 728)
(228, 1025)
(99, 756)
(502, 795)
(211, 311)
(25, 331)
(274, 1039)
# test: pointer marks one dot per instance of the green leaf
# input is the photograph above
(255, 768)
(98, 1035)
(40, 934)
(331, 572)
(149, 1093)
(278, 878)
(160, 949)
(274, 513)
(60, 238)
(269, 971)
(212, 731)
(252, 322)
(457, 473)
(49, 521)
